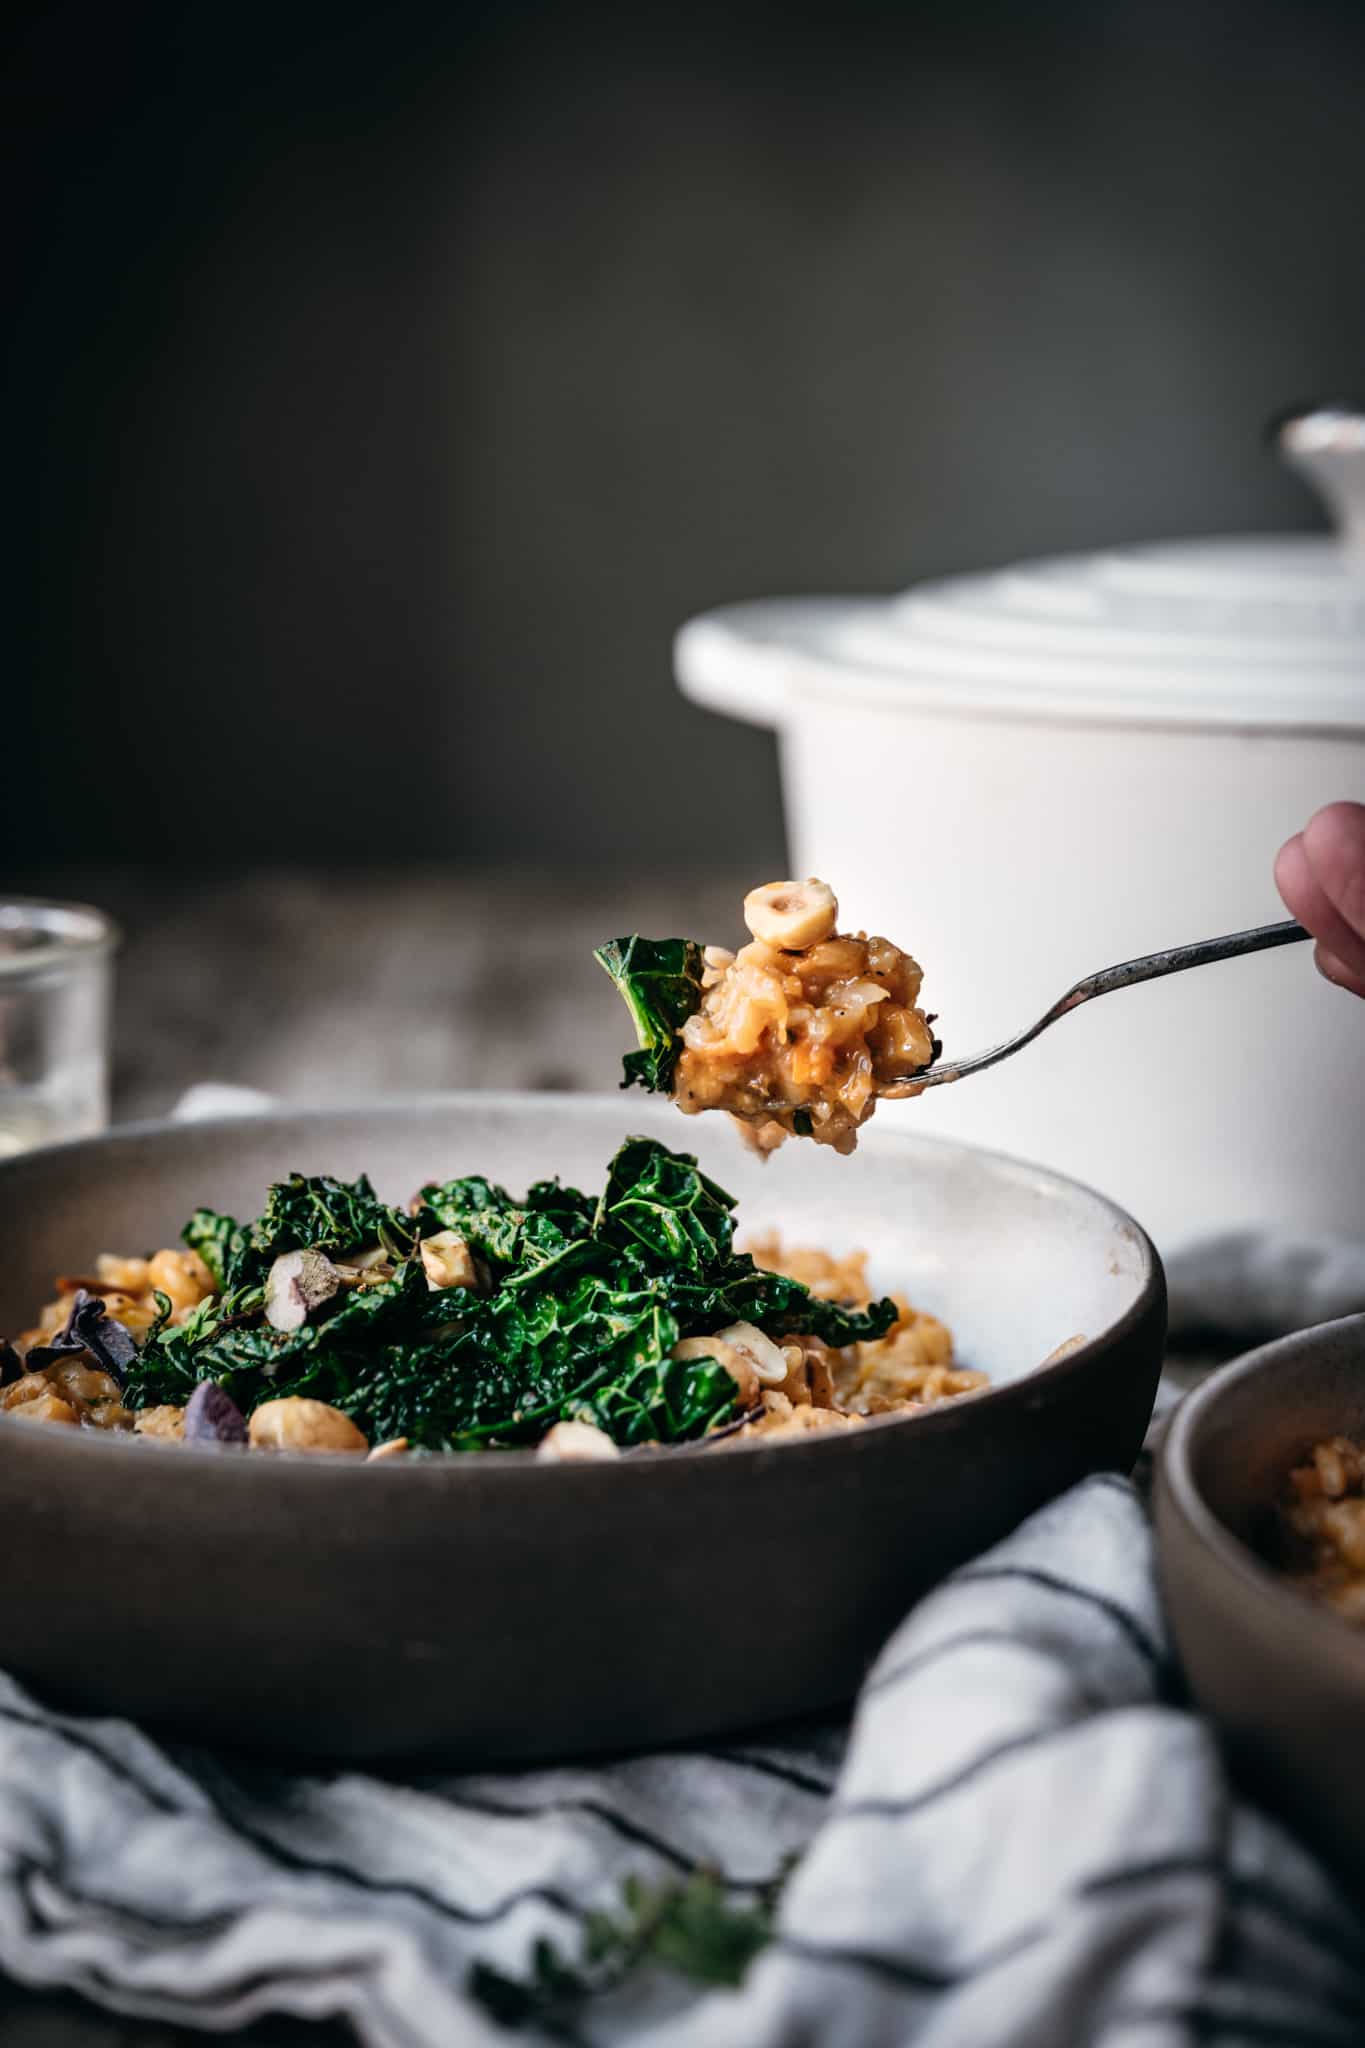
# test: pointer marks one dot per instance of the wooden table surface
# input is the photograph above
(317, 986)
(329, 986)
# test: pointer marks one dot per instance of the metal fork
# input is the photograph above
(1150, 968)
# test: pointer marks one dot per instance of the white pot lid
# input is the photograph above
(1256, 632)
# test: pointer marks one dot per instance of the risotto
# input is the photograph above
(1322, 1526)
(793, 1035)
(582, 1326)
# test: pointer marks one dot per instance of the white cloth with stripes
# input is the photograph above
(1023, 1837)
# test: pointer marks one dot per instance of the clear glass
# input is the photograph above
(56, 970)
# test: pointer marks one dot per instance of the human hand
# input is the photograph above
(1320, 873)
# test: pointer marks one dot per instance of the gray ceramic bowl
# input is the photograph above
(1283, 1678)
(492, 1608)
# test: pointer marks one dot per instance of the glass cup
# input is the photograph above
(56, 968)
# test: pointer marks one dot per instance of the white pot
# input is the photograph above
(1028, 775)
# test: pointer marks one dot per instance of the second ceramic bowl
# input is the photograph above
(1283, 1678)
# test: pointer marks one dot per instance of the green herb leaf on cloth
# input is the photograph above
(687, 1925)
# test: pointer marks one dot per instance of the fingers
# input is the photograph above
(1334, 841)
(1332, 969)
(1310, 900)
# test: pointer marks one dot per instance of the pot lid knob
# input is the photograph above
(1326, 445)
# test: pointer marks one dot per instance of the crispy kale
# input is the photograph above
(660, 980)
(583, 1303)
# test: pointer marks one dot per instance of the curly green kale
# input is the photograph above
(579, 1306)
(660, 981)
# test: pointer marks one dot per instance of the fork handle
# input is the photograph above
(1151, 967)
(1175, 959)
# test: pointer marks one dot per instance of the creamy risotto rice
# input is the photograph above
(1322, 1526)
(797, 1030)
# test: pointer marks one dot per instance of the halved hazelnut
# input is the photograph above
(296, 1284)
(791, 915)
(736, 1363)
(448, 1261)
(763, 1355)
(573, 1443)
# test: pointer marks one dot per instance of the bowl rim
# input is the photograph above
(1286, 1610)
(1150, 1299)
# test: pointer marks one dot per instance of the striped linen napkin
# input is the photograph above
(1023, 1837)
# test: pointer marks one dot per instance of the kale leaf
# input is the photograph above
(661, 1206)
(484, 1215)
(580, 1304)
(513, 1237)
(665, 1400)
(559, 1351)
(219, 1240)
(328, 1215)
(332, 1216)
(660, 980)
(742, 1292)
(227, 1339)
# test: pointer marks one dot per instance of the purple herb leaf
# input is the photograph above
(12, 1366)
(213, 1417)
(89, 1327)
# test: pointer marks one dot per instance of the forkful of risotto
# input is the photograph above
(800, 1032)
(796, 1034)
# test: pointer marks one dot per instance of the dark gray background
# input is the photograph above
(386, 383)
